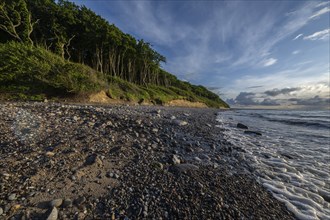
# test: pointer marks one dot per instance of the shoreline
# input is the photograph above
(114, 162)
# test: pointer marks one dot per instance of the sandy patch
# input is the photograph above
(185, 103)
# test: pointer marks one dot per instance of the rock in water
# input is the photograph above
(253, 132)
(53, 215)
(242, 126)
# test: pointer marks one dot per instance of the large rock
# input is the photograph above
(253, 133)
(242, 126)
(53, 215)
(56, 203)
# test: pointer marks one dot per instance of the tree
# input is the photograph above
(15, 20)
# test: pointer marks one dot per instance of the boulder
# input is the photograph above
(253, 133)
(53, 215)
(242, 126)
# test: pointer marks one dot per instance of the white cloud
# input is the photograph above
(320, 35)
(298, 36)
(322, 4)
(296, 52)
(269, 62)
(320, 12)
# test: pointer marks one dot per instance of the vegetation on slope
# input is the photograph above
(28, 72)
(64, 49)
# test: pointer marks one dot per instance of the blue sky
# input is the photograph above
(264, 53)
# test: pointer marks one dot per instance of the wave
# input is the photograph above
(301, 123)
(297, 121)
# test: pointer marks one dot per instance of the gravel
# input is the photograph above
(70, 161)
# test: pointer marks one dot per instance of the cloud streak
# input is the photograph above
(320, 12)
(320, 35)
(269, 62)
(297, 37)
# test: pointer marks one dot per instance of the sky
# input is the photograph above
(252, 53)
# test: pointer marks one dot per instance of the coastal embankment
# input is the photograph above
(66, 161)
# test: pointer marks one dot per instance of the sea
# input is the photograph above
(291, 158)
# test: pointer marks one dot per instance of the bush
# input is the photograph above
(34, 70)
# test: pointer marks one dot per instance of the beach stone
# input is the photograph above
(80, 200)
(175, 159)
(50, 154)
(158, 165)
(183, 168)
(198, 159)
(1, 211)
(56, 203)
(242, 126)
(189, 149)
(253, 132)
(67, 203)
(180, 122)
(12, 197)
(53, 215)
(93, 158)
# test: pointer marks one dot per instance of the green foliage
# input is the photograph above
(33, 70)
(15, 21)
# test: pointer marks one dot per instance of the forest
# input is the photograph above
(78, 35)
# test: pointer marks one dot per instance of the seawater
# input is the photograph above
(291, 158)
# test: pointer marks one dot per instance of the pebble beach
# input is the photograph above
(75, 161)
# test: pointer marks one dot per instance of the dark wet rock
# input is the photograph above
(253, 133)
(115, 150)
(53, 214)
(242, 126)
(93, 158)
(325, 196)
(189, 149)
(80, 200)
(67, 203)
(287, 155)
